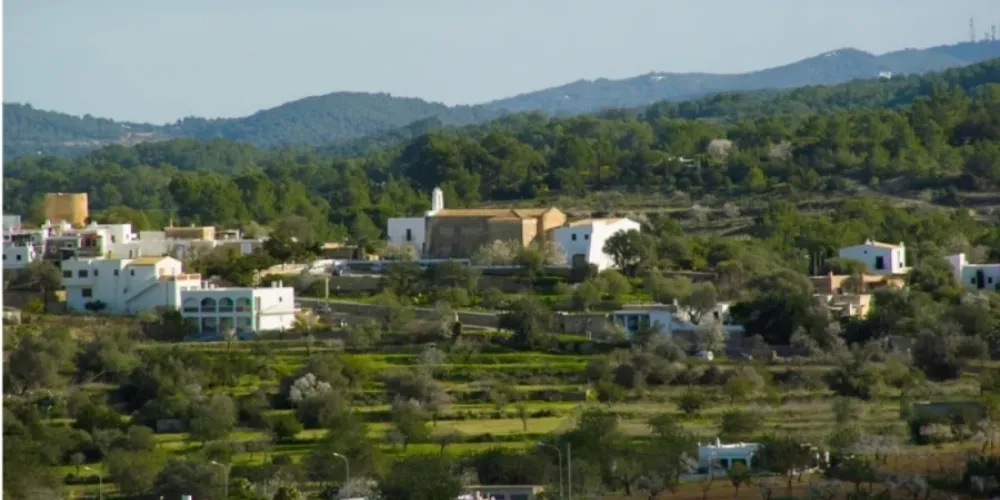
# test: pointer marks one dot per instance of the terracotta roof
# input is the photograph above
(146, 261)
(518, 213)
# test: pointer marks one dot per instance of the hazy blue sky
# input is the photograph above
(159, 60)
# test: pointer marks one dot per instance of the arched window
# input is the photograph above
(190, 305)
(225, 304)
(243, 304)
(208, 304)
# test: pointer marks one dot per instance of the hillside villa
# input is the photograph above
(879, 258)
(975, 276)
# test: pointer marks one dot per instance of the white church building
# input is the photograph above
(412, 231)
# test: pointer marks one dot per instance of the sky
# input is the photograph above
(160, 60)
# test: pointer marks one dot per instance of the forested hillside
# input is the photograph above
(31, 131)
(356, 122)
(825, 69)
(936, 148)
(311, 121)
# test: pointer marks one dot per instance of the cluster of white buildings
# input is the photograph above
(890, 259)
(107, 268)
(131, 286)
(61, 241)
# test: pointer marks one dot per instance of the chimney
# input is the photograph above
(437, 199)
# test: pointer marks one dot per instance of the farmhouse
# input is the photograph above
(583, 240)
(670, 319)
(723, 456)
(879, 258)
(975, 276)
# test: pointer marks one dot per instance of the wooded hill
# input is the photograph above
(344, 116)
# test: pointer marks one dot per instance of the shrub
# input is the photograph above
(738, 425)
(691, 402)
(284, 427)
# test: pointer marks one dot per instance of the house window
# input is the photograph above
(116, 272)
(574, 237)
(208, 304)
(86, 293)
(190, 305)
(82, 273)
(95, 273)
(409, 235)
(242, 304)
(879, 262)
(4, 256)
(586, 236)
(131, 272)
(17, 257)
(225, 304)
(973, 281)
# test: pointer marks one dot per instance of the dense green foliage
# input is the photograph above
(348, 118)
(943, 143)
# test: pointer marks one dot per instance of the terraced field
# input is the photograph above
(553, 388)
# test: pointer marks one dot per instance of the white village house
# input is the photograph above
(131, 286)
(125, 286)
(723, 456)
(975, 276)
(240, 309)
(583, 240)
(671, 320)
(879, 258)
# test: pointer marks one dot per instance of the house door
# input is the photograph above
(879, 262)
(579, 260)
(980, 279)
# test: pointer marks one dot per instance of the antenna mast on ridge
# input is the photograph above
(972, 29)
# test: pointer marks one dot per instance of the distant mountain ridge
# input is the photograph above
(837, 66)
(340, 116)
